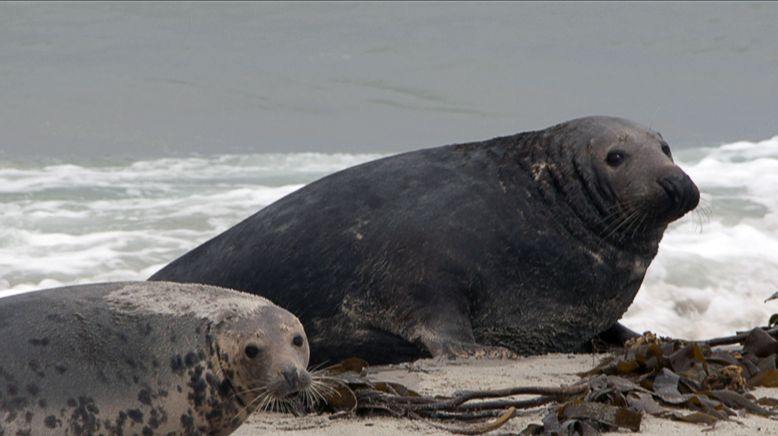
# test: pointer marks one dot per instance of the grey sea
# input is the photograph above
(130, 133)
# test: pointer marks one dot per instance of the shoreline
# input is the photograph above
(443, 377)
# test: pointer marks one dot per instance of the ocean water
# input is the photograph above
(153, 79)
(82, 222)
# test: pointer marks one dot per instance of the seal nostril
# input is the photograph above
(681, 190)
(671, 189)
(291, 376)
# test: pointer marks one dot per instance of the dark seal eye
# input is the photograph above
(298, 341)
(666, 150)
(615, 158)
(251, 351)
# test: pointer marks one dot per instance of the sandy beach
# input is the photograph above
(444, 377)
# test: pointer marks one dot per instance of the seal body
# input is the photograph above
(533, 243)
(142, 358)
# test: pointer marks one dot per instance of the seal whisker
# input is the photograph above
(625, 203)
(623, 227)
(624, 231)
(311, 389)
(633, 226)
(321, 389)
(642, 219)
(638, 226)
(316, 397)
(620, 210)
(306, 399)
(701, 214)
(315, 394)
(324, 378)
(612, 217)
(315, 369)
(261, 403)
(629, 228)
(266, 401)
(327, 382)
(621, 223)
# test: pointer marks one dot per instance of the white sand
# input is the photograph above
(445, 377)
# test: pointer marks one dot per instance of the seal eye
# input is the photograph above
(666, 150)
(298, 341)
(615, 158)
(251, 351)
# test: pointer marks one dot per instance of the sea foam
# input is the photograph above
(77, 223)
(716, 266)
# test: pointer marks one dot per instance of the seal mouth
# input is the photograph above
(295, 380)
(281, 395)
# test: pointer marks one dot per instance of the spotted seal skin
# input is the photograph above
(526, 244)
(143, 358)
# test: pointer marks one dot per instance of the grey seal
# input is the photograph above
(144, 358)
(523, 244)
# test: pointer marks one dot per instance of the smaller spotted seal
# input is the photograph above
(144, 358)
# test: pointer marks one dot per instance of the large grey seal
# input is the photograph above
(144, 358)
(534, 242)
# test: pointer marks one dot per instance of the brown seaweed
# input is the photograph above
(689, 381)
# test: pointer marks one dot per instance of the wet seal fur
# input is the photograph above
(143, 358)
(527, 244)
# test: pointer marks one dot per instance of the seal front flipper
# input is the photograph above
(447, 333)
(614, 337)
(617, 335)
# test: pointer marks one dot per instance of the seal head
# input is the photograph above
(618, 176)
(264, 357)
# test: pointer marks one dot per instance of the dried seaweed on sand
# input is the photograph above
(700, 382)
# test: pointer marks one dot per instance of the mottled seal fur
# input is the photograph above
(143, 358)
(533, 243)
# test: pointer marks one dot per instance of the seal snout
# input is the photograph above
(681, 190)
(296, 379)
